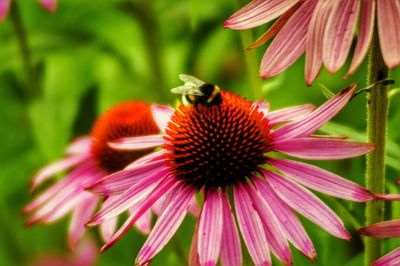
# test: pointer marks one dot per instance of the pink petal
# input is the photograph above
(79, 146)
(210, 233)
(143, 224)
(168, 184)
(194, 255)
(389, 31)
(322, 180)
(258, 12)
(121, 203)
(386, 229)
(137, 143)
(49, 5)
(262, 106)
(107, 229)
(193, 207)
(166, 225)
(366, 26)
(231, 252)
(251, 227)
(388, 197)
(152, 157)
(390, 259)
(289, 114)
(4, 8)
(306, 203)
(121, 181)
(51, 169)
(322, 149)
(276, 27)
(309, 124)
(289, 43)
(291, 224)
(162, 115)
(80, 216)
(315, 36)
(339, 33)
(272, 227)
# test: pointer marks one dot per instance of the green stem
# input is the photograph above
(24, 49)
(251, 60)
(376, 130)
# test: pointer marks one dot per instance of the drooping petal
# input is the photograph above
(121, 181)
(322, 149)
(231, 252)
(258, 12)
(80, 216)
(386, 229)
(388, 12)
(306, 203)
(388, 197)
(289, 44)
(210, 233)
(339, 33)
(315, 37)
(390, 259)
(292, 226)
(194, 255)
(4, 8)
(276, 27)
(162, 115)
(193, 207)
(272, 227)
(79, 146)
(143, 224)
(366, 26)
(137, 143)
(51, 169)
(166, 225)
(289, 114)
(322, 180)
(251, 227)
(168, 184)
(107, 229)
(49, 5)
(126, 200)
(310, 123)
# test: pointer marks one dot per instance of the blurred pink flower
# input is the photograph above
(210, 149)
(91, 159)
(85, 255)
(386, 229)
(49, 5)
(323, 30)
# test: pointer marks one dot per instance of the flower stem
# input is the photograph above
(377, 105)
(251, 60)
(24, 49)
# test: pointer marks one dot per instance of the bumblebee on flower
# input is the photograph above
(217, 143)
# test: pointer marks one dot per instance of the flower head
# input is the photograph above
(323, 30)
(386, 229)
(88, 160)
(217, 143)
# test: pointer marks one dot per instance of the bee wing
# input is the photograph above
(187, 90)
(191, 80)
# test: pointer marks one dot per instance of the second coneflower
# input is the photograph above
(218, 143)
(323, 30)
(88, 160)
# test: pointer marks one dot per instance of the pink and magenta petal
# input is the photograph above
(386, 229)
(137, 143)
(306, 203)
(390, 259)
(4, 8)
(231, 252)
(289, 114)
(388, 13)
(49, 5)
(162, 115)
(210, 233)
(322, 149)
(322, 180)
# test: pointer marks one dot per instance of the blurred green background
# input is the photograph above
(89, 55)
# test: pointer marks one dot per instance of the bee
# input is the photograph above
(195, 92)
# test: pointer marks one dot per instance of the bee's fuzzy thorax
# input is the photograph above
(219, 145)
(127, 119)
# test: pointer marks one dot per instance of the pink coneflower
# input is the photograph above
(49, 5)
(220, 143)
(323, 29)
(88, 160)
(386, 229)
